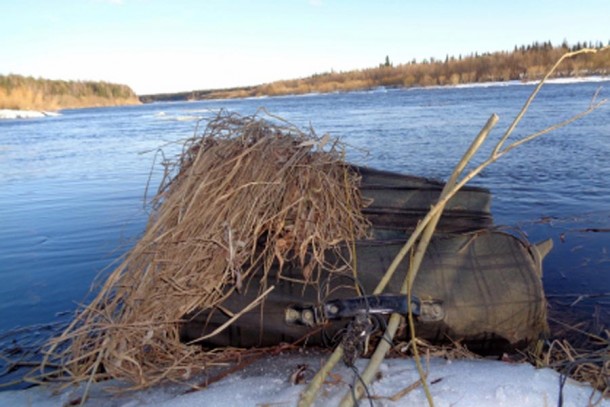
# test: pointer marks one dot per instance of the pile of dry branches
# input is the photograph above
(245, 195)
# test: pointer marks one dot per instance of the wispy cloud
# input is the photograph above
(315, 3)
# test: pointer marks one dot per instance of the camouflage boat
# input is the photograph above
(477, 284)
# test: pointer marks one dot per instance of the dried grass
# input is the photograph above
(584, 365)
(578, 347)
(246, 194)
(450, 351)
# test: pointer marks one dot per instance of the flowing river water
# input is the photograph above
(72, 186)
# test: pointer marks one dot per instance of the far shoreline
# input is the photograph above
(181, 96)
(16, 114)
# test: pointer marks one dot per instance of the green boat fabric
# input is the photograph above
(489, 281)
(398, 202)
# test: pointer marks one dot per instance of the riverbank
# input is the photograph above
(250, 92)
(19, 92)
(529, 63)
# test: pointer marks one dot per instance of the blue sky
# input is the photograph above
(169, 46)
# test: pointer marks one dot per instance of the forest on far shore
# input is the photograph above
(28, 93)
(526, 63)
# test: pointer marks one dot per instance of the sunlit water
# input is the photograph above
(72, 187)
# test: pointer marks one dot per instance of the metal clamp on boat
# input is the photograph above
(313, 315)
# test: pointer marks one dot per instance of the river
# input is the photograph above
(73, 186)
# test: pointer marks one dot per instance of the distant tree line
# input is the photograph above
(21, 92)
(526, 62)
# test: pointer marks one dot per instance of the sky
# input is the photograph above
(159, 46)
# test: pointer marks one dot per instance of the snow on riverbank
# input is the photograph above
(24, 114)
(267, 382)
(552, 81)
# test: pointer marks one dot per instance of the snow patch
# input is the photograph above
(267, 382)
(25, 114)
